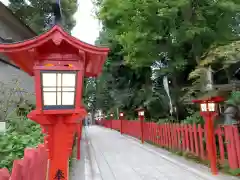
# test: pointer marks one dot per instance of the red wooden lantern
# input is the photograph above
(141, 113)
(58, 63)
(208, 110)
(121, 115)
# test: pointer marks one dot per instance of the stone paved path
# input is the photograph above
(107, 155)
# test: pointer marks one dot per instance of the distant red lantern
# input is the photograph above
(121, 114)
(141, 112)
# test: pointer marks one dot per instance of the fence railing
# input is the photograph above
(185, 138)
(32, 166)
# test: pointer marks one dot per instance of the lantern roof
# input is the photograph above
(140, 109)
(55, 43)
(209, 99)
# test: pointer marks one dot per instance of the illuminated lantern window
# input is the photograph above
(203, 107)
(141, 113)
(121, 114)
(58, 89)
(211, 107)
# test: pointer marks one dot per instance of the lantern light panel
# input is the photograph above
(211, 107)
(121, 114)
(58, 89)
(203, 107)
(141, 113)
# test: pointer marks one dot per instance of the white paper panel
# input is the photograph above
(203, 107)
(68, 89)
(68, 79)
(59, 97)
(49, 89)
(49, 98)
(67, 98)
(49, 79)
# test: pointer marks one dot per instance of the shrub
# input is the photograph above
(21, 133)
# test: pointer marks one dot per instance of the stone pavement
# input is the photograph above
(107, 155)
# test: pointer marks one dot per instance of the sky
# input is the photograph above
(87, 26)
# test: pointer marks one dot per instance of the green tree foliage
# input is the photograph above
(182, 28)
(121, 87)
(37, 13)
(180, 34)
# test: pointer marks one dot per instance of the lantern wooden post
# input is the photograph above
(209, 111)
(141, 119)
(121, 116)
(59, 108)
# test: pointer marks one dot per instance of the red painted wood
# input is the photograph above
(151, 132)
(221, 145)
(201, 133)
(171, 135)
(4, 174)
(183, 138)
(187, 134)
(237, 144)
(191, 139)
(79, 137)
(174, 136)
(33, 166)
(196, 142)
(159, 135)
(230, 148)
(165, 135)
(179, 137)
(155, 133)
(211, 143)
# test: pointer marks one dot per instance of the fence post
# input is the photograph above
(142, 127)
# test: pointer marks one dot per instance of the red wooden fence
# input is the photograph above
(185, 138)
(32, 166)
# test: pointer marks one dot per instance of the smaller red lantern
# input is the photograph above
(121, 121)
(141, 113)
(208, 110)
(121, 114)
